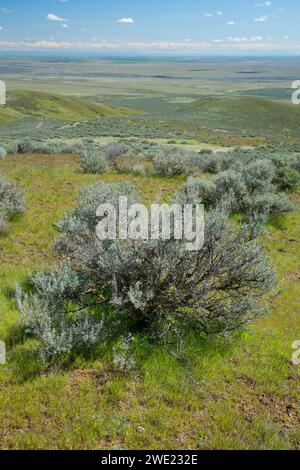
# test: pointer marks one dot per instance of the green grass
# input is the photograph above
(249, 116)
(8, 115)
(55, 106)
(217, 393)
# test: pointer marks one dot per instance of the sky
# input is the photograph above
(152, 26)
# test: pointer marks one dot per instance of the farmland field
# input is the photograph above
(238, 390)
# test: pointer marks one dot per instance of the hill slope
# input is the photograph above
(7, 115)
(29, 103)
(247, 116)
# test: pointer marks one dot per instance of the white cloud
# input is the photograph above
(239, 39)
(209, 15)
(52, 17)
(65, 25)
(228, 44)
(126, 20)
(264, 4)
(261, 19)
(105, 45)
(231, 23)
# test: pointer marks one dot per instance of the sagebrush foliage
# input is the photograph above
(247, 189)
(93, 162)
(172, 161)
(3, 153)
(158, 286)
(11, 202)
(47, 313)
(154, 286)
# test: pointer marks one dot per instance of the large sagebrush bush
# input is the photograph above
(156, 286)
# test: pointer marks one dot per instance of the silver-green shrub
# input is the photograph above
(48, 315)
(3, 153)
(139, 170)
(59, 334)
(11, 199)
(286, 172)
(155, 283)
(171, 161)
(11, 147)
(154, 286)
(114, 150)
(247, 189)
(3, 225)
(93, 162)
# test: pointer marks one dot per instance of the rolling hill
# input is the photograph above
(24, 103)
(8, 115)
(245, 115)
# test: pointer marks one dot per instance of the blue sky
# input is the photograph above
(165, 26)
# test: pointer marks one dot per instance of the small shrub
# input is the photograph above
(84, 218)
(11, 148)
(267, 203)
(3, 226)
(114, 150)
(3, 153)
(11, 199)
(296, 163)
(171, 162)
(287, 179)
(210, 163)
(246, 189)
(205, 152)
(230, 187)
(258, 176)
(59, 334)
(26, 147)
(139, 170)
(199, 191)
(93, 162)
(123, 359)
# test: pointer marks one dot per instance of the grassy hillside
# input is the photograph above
(45, 105)
(8, 115)
(248, 116)
(212, 394)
